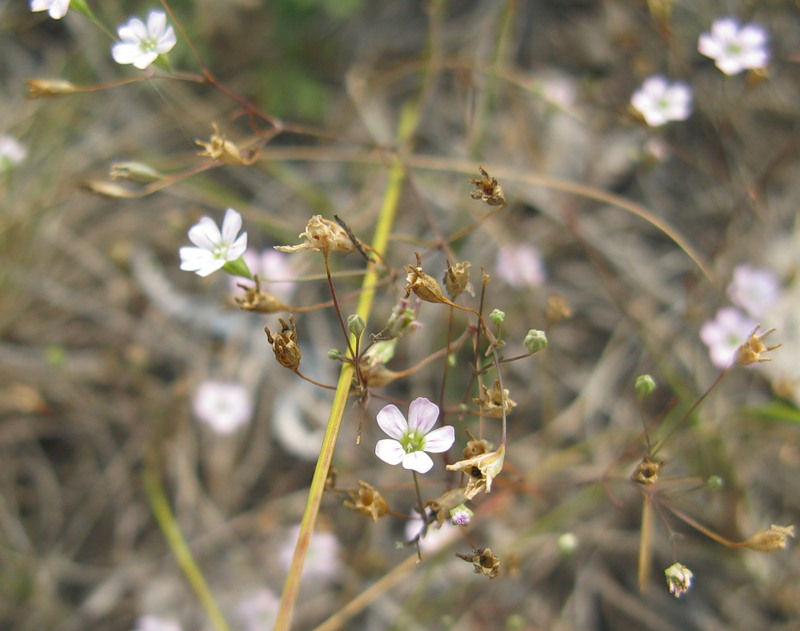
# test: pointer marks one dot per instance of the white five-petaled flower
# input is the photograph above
(735, 48)
(411, 439)
(214, 248)
(754, 289)
(660, 102)
(56, 8)
(725, 334)
(11, 152)
(223, 406)
(141, 44)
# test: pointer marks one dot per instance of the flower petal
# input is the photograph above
(418, 461)
(422, 415)
(392, 422)
(156, 23)
(390, 451)
(231, 224)
(238, 247)
(205, 234)
(125, 52)
(440, 439)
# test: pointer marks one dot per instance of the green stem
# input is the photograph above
(177, 544)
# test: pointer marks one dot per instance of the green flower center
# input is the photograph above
(413, 441)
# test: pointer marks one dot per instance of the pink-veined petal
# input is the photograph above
(422, 415)
(392, 421)
(390, 451)
(440, 439)
(418, 461)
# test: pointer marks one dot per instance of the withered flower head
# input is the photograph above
(456, 279)
(322, 235)
(679, 579)
(751, 351)
(557, 309)
(770, 540)
(646, 471)
(255, 299)
(367, 500)
(491, 401)
(443, 504)
(484, 561)
(487, 190)
(422, 284)
(49, 88)
(476, 446)
(221, 149)
(284, 344)
(481, 469)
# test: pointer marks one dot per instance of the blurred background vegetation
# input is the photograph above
(103, 340)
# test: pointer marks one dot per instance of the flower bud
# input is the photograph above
(715, 483)
(356, 324)
(644, 386)
(461, 515)
(535, 341)
(49, 88)
(497, 317)
(134, 172)
(567, 544)
(335, 354)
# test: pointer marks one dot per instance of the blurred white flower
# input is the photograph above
(258, 611)
(725, 333)
(56, 8)
(322, 557)
(735, 48)
(269, 264)
(754, 289)
(411, 439)
(214, 248)
(141, 44)
(520, 266)
(660, 102)
(11, 153)
(154, 623)
(224, 407)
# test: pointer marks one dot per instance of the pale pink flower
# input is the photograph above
(754, 289)
(156, 623)
(725, 334)
(520, 266)
(224, 407)
(11, 152)
(411, 439)
(322, 557)
(660, 102)
(258, 611)
(269, 265)
(735, 48)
